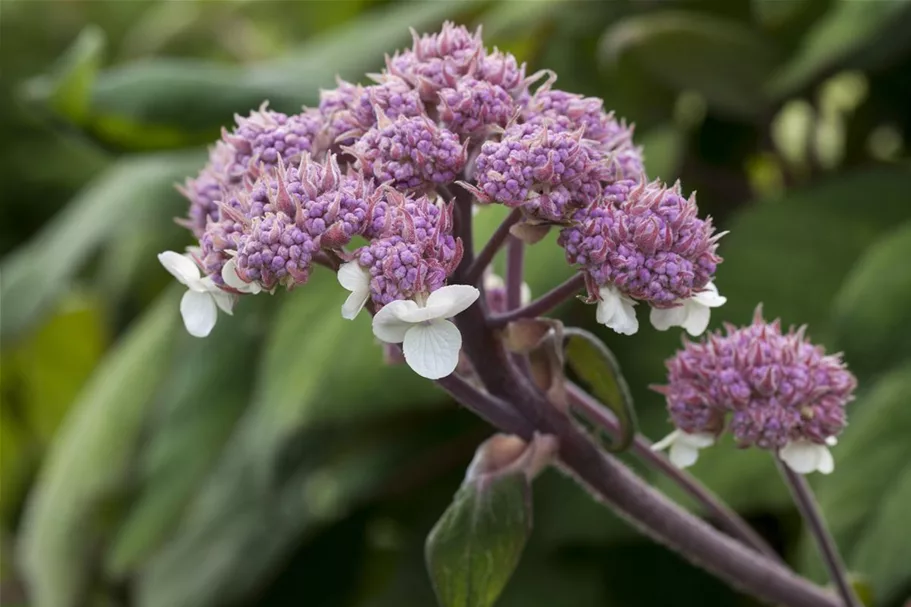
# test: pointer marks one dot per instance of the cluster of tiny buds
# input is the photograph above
(283, 193)
(769, 389)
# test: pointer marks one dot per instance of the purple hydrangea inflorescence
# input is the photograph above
(415, 253)
(771, 390)
(474, 107)
(437, 61)
(569, 112)
(265, 136)
(547, 173)
(410, 153)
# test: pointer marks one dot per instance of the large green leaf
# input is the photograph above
(723, 60)
(85, 470)
(166, 103)
(475, 546)
(865, 500)
(848, 34)
(207, 391)
(302, 455)
(875, 300)
(41, 376)
(34, 275)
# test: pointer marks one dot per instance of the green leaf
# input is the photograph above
(90, 458)
(873, 458)
(40, 378)
(302, 455)
(66, 90)
(724, 61)
(208, 389)
(37, 273)
(597, 366)
(849, 33)
(793, 253)
(874, 300)
(476, 545)
(167, 103)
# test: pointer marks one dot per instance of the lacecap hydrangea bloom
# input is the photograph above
(382, 162)
(769, 389)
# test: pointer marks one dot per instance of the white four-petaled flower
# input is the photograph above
(430, 342)
(615, 310)
(804, 457)
(199, 305)
(684, 448)
(692, 314)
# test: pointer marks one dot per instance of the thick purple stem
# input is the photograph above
(727, 519)
(476, 271)
(515, 266)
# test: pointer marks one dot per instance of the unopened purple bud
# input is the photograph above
(474, 107)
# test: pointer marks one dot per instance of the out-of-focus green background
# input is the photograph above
(279, 462)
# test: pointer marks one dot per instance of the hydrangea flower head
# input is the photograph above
(769, 389)
(265, 136)
(647, 244)
(475, 107)
(209, 188)
(437, 61)
(545, 172)
(414, 256)
(352, 109)
(410, 153)
(570, 112)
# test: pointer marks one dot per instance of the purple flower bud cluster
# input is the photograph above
(281, 192)
(410, 153)
(474, 106)
(646, 241)
(548, 173)
(771, 387)
(570, 112)
(414, 252)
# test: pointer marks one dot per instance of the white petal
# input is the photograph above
(353, 277)
(182, 267)
(224, 300)
(697, 318)
(666, 442)
(199, 313)
(665, 318)
(388, 324)
(683, 455)
(452, 299)
(699, 440)
(616, 311)
(826, 462)
(802, 457)
(832, 441)
(710, 297)
(432, 349)
(229, 275)
(355, 303)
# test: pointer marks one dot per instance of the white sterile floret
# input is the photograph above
(692, 314)
(229, 275)
(357, 280)
(199, 305)
(615, 310)
(431, 343)
(684, 448)
(804, 457)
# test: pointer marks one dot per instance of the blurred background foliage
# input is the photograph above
(279, 461)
